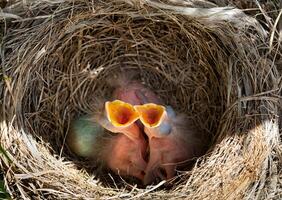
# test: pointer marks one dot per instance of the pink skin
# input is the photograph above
(127, 150)
(167, 152)
(125, 156)
(132, 131)
(136, 94)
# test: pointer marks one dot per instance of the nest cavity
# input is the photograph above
(59, 57)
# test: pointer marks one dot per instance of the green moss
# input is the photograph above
(3, 193)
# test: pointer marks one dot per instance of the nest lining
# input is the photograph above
(210, 69)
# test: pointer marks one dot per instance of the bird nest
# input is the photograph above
(207, 62)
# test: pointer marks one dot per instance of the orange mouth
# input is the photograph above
(121, 114)
(151, 114)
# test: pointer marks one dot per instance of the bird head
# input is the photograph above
(120, 114)
(120, 118)
(155, 119)
(131, 90)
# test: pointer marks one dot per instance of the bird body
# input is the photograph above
(126, 157)
(173, 141)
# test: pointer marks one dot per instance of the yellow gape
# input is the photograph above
(151, 115)
(120, 114)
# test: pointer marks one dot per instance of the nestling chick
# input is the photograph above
(173, 140)
(122, 152)
(120, 117)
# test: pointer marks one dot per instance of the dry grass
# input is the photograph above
(214, 64)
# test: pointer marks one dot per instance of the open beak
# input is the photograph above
(151, 115)
(154, 118)
(122, 116)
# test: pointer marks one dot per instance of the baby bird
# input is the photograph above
(173, 140)
(122, 152)
(172, 137)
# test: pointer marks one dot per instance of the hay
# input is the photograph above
(209, 63)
